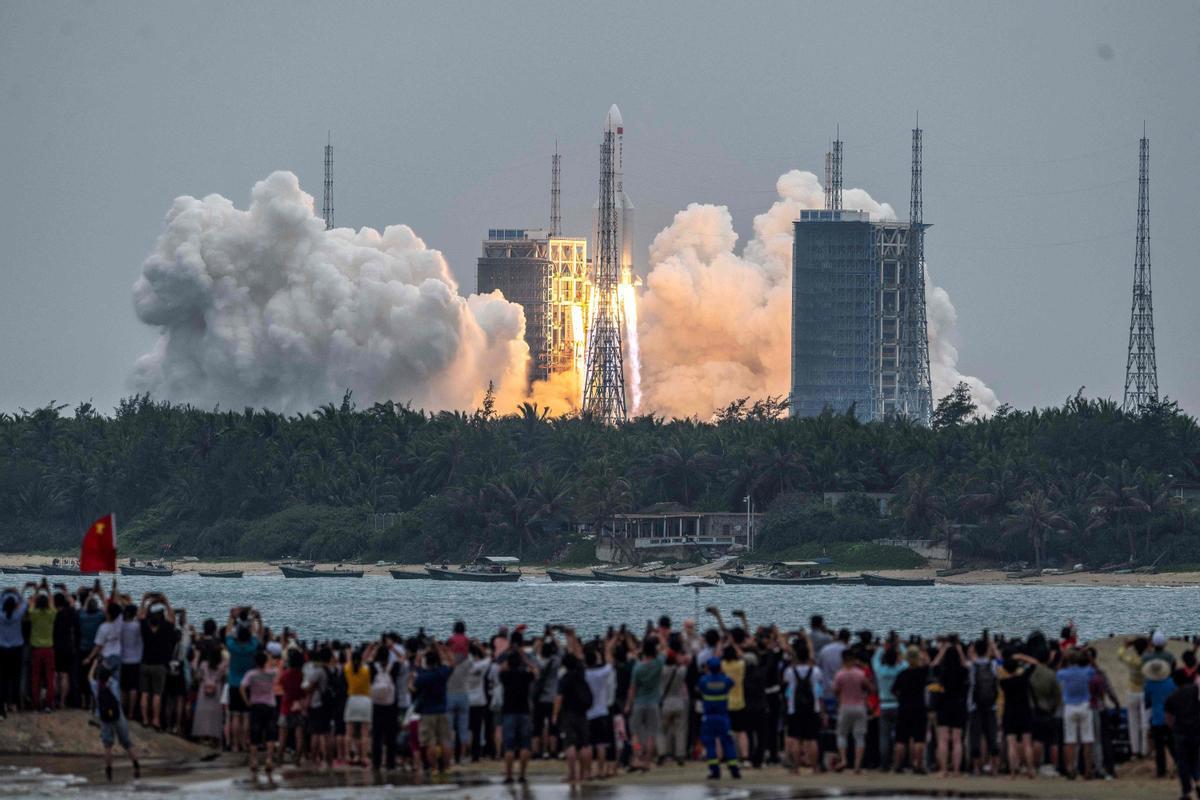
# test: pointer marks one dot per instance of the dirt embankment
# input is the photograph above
(74, 732)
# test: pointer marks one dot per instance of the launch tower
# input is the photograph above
(1141, 366)
(604, 381)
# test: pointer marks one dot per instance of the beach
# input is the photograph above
(978, 577)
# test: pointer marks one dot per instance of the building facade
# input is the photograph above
(851, 295)
(548, 276)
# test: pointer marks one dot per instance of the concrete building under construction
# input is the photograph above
(859, 332)
(548, 276)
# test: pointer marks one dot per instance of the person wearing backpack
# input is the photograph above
(384, 720)
(804, 686)
(981, 707)
(571, 708)
(106, 688)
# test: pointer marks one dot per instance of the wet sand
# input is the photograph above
(229, 778)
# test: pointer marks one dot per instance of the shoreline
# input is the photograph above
(979, 577)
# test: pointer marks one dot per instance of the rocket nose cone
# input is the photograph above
(613, 120)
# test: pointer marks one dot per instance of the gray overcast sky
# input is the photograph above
(444, 116)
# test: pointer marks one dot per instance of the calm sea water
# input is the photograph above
(362, 608)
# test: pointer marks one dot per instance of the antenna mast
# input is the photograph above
(919, 400)
(1141, 366)
(327, 207)
(835, 173)
(555, 209)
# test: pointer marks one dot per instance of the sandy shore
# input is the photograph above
(981, 577)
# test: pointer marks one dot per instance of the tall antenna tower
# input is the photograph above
(828, 180)
(835, 173)
(604, 382)
(1141, 366)
(555, 209)
(327, 206)
(918, 399)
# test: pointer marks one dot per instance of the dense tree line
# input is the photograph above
(1081, 482)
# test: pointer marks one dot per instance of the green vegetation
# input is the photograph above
(1083, 482)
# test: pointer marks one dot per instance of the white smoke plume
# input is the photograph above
(264, 307)
(716, 326)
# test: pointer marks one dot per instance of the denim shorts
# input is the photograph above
(518, 732)
(115, 731)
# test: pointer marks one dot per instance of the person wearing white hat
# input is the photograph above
(1159, 687)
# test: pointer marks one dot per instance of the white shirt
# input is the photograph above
(476, 693)
(108, 636)
(793, 675)
(131, 641)
(830, 659)
(597, 680)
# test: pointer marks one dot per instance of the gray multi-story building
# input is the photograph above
(855, 320)
(548, 276)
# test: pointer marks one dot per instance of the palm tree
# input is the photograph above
(1035, 516)
(1118, 499)
(921, 504)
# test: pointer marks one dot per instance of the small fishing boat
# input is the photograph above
(221, 573)
(408, 575)
(148, 568)
(28, 569)
(781, 573)
(65, 570)
(1021, 574)
(305, 572)
(948, 573)
(627, 575)
(486, 569)
(882, 580)
(562, 576)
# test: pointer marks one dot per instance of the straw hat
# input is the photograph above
(1156, 669)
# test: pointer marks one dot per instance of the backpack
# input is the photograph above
(581, 694)
(108, 705)
(383, 691)
(803, 696)
(984, 692)
(335, 689)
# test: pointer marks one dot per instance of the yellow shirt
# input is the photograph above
(41, 627)
(1130, 658)
(358, 683)
(736, 670)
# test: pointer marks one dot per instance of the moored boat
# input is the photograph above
(486, 569)
(221, 573)
(949, 573)
(771, 579)
(1021, 574)
(883, 580)
(562, 576)
(64, 570)
(408, 575)
(155, 570)
(304, 572)
(632, 576)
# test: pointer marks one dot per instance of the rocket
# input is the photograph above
(625, 207)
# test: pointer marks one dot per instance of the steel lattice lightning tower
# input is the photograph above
(917, 399)
(828, 180)
(835, 174)
(1141, 366)
(555, 208)
(604, 382)
(327, 206)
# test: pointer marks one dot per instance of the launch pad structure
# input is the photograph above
(859, 333)
(604, 378)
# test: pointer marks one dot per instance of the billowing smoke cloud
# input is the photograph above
(264, 307)
(716, 325)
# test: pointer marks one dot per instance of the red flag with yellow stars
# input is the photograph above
(99, 551)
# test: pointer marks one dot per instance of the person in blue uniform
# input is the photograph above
(714, 725)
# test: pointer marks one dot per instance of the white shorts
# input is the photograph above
(1077, 724)
(358, 709)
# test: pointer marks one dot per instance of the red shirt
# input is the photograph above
(290, 681)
